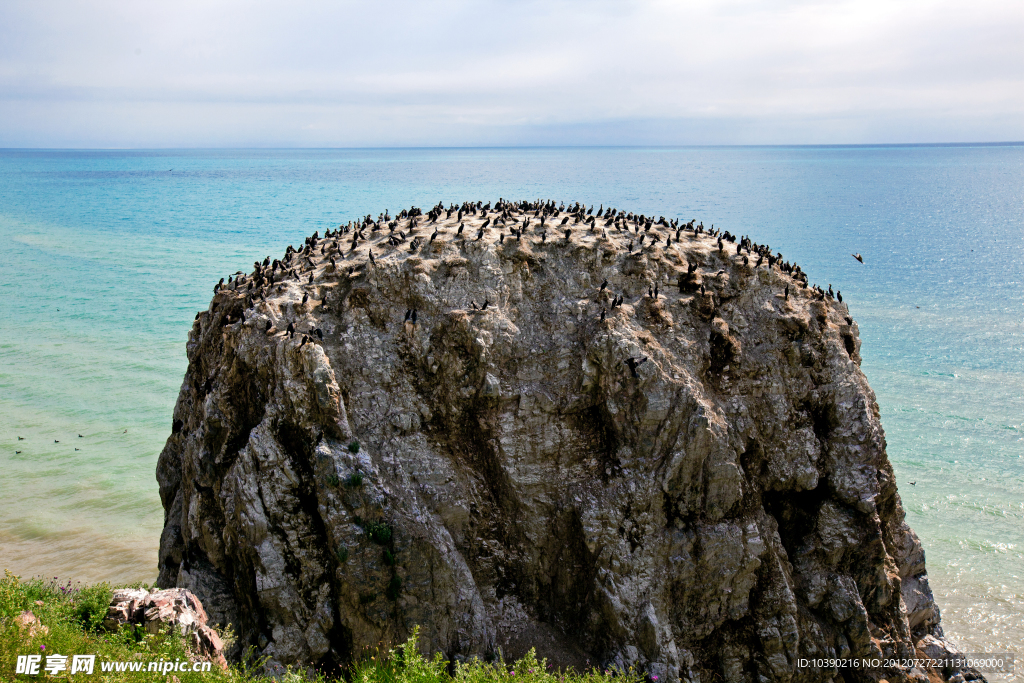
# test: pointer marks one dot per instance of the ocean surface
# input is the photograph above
(106, 256)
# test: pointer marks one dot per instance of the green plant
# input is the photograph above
(366, 598)
(389, 558)
(378, 533)
(91, 605)
(354, 446)
(342, 554)
(355, 480)
(333, 480)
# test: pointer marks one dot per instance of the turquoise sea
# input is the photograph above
(105, 257)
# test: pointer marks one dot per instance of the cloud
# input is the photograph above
(447, 73)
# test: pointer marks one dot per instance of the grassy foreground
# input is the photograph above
(72, 615)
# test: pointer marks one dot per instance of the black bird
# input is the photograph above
(480, 235)
(305, 297)
(291, 330)
(413, 318)
(56, 441)
(79, 436)
(543, 237)
(434, 236)
(372, 260)
(858, 257)
(408, 314)
(603, 311)
(486, 304)
(913, 483)
(319, 334)
(461, 225)
(501, 238)
(17, 452)
(21, 438)
(839, 297)
(603, 285)
(634, 363)
(650, 292)
(311, 278)
(630, 246)
(702, 288)
(304, 340)
(787, 292)
(269, 325)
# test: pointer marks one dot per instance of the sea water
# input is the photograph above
(108, 255)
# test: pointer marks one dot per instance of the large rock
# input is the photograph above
(500, 475)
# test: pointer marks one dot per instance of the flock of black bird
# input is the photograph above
(515, 218)
(80, 436)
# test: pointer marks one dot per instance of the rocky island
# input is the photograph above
(622, 440)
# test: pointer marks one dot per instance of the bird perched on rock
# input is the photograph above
(634, 363)
(319, 334)
(603, 285)
(305, 297)
(291, 330)
(603, 311)
(858, 257)
(408, 314)
(413, 318)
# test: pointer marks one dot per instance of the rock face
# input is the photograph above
(463, 435)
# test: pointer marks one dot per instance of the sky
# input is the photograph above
(225, 73)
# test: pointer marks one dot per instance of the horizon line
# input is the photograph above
(1007, 143)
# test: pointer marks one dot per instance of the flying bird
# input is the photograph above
(858, 257)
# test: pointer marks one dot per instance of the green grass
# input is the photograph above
(73, 613)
